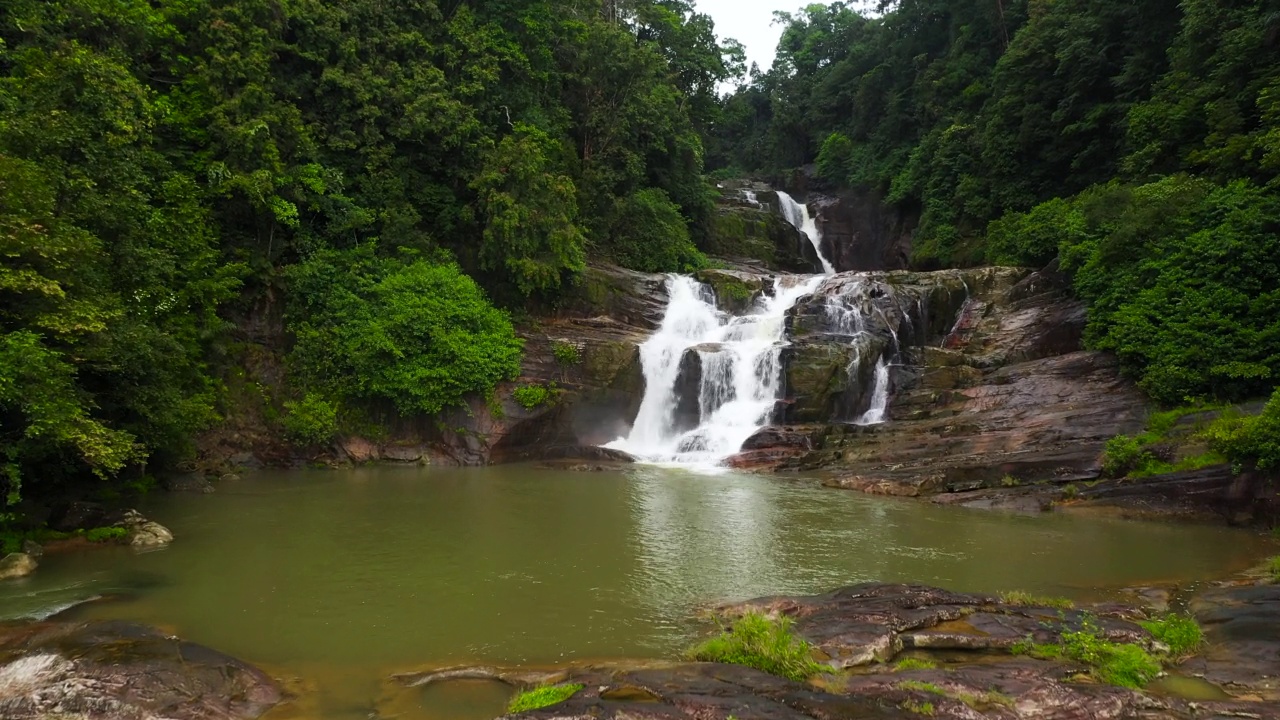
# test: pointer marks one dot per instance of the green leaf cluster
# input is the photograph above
(413, 333)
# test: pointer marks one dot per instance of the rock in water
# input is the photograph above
(144, 533)
(16, 565)
(123, 671)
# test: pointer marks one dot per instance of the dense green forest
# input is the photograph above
(390, 169)
(398, 176)
(1137, 141)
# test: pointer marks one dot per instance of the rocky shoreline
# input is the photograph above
(887, 651)
(906, 651)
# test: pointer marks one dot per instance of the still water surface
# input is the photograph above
(341, 578)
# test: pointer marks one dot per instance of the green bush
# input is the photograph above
(764, 644)
(1182, 284)
(533, 396)
(1273, 568)
(566, 353)
(1123, 664)
(1123, 455)
(418, 334)
(541, 697)
(1181, 633)
(312, 420)
(649, 234)
(1252, 440)
(1033, 238)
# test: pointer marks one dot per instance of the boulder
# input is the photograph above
(16, 565)
(735, 290)
(144, 533)
(123, 671)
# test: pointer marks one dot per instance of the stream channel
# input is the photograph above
(336, 580)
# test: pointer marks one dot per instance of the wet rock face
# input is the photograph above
(861, 232)
(989, 389)
(1242, 626)
(123, 671)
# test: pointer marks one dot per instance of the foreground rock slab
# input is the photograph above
(965, 665)
(123, 671)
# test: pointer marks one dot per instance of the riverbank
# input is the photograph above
(906, 651)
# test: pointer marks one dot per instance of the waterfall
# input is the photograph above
(879, 396)
(739, 378)
(847, 315)
(798, 215)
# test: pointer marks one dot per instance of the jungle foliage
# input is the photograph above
(1137, 141)
(385, 172)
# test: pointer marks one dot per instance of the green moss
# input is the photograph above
(1019, 598)
(1181, 633)
(764, 644)
(106, 534)
(541, 697)
(913, 664)
(1123, 664)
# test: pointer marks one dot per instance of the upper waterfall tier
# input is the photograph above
(798, 215)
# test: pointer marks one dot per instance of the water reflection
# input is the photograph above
(347, 577)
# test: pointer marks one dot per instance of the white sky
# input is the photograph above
(750, 23)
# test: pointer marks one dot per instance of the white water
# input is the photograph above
(879, 396)
(847, 316)
(798, 215)
(741, 373)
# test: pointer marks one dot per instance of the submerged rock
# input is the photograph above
(123, 671)
(16, 565)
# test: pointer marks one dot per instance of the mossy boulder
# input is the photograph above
(817, 376)
(735, 291)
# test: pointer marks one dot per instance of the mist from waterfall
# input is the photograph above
(798, 215)
(740, 379)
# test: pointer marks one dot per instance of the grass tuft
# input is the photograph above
(541, 697)
(1181, 633)
(1018, 598)
(913, 664)
(1273, 566)
(764, 644)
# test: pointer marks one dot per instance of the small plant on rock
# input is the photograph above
(907, 664)
(541, 697)
(533, 396)
(764, 644)
(918, 708)
(566, 353)
(1018, 598)
(1180, 633)
(1123, 664)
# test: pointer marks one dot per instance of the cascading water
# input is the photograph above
(847, 315)
(798, 215)
(740, 361)
(875, 414)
